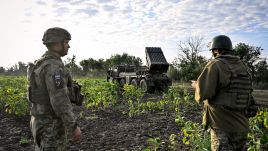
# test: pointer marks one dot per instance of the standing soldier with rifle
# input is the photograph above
(225, 88)
(51, 92)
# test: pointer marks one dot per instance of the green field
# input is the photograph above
(103, 100)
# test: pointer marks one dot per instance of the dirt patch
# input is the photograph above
(13, 130)
(109, 129)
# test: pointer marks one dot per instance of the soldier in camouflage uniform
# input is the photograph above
(225, 88)
(52, 118)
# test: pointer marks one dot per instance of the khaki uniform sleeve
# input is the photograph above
(59, 99)
(207, 82)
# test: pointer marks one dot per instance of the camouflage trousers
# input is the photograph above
(222, 141)
(49, 134)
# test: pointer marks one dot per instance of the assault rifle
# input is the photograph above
(257, 104)
(75, 93)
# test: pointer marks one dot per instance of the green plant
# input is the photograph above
(187, 95)
(195, 136)
(154, 144)
(23, 141)
(180, 94)
(173, 141)
(133, 95)
(13, 95)
(173, 93)
(99, 93)
(132, 111)
(179, 119)
(258, 135)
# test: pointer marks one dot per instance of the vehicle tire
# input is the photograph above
(134, 82)
(144, 85)
(110, 79)
(122, 82)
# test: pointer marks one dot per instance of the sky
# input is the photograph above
(101, 28)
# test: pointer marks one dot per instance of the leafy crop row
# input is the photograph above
(13, 96)
(100, 94)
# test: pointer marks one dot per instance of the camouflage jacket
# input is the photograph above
(214, 78)
(48, 90)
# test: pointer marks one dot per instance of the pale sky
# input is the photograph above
(101, 28)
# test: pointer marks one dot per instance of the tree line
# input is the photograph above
(189, 63)
(186, 66)
(88, 67)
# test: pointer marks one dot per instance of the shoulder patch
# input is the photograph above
(58, 78)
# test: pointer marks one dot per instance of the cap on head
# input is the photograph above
(221, 42)
(55, 34)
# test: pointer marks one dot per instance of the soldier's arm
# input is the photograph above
(58, 93)
(207, 82)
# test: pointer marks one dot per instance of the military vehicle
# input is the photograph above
(150, 78)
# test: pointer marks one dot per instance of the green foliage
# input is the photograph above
(99, 93)
(154, 144)
(173, 93)
(189, 63)
(190, 69)
(195, 136)
(258, 135)
(92, 64)
(188, 96)
(179, 119)
(17, 69)
(13, 97)
(24, 141)
(101, 64)
(95, 68)
(173, 73)
(72, 66)
(170, 101)
(181, 94)
(192, 134)
(162, 105)
(153, 106)
(123, 59)
(261, 76)
(251, 56)
(173, 141)
(133, 95)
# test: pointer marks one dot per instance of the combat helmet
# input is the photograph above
(221, 42)
(55, 34)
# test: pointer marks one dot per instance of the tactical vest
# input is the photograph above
(37, 91)
(236, 96)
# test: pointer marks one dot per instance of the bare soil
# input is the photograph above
(109, 129)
